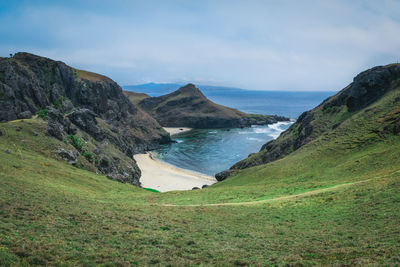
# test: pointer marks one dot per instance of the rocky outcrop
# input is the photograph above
(188, 107)
(68, 155)
(58, 125)
(75, 99)
(113, 168)
(366, 88)
(85, 119)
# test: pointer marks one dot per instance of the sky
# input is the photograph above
(260, 45)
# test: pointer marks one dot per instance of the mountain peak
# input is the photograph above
(190, 89)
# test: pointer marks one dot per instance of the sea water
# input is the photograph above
(210, 151)
(214, 150)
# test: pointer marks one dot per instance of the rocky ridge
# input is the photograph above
(78, 102)
(367, 87)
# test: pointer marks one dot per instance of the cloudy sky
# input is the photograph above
(264, 45)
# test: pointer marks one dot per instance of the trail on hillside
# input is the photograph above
(309, 193)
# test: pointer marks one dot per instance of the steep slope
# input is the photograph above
(135, 98)
(188, 107)
(54, 214)
(78, 106)
(367, 88)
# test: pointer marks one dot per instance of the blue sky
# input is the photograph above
(262, 45)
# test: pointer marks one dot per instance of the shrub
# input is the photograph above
(58, 103)
(89, 156)
(42, 113)
(76, 142)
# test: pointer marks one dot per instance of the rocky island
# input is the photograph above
(188, 107)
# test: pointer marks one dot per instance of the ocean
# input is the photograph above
(284, 103)
(210, 151)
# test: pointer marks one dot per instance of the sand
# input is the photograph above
(177, 130)
(164, 177)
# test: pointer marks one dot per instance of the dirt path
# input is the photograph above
(305, 194)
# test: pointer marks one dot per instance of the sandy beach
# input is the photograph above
(165, 177)
(176, 130)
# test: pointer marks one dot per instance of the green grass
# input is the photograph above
(151, 190)
(52, 213)
(42, 113)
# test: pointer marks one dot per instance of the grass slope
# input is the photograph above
(54, 214)
(135, 98)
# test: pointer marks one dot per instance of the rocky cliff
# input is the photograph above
(366, 88)
(75, 101)
(188, 107)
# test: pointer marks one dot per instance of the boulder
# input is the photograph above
(223, 175)
(114, 169)
(68, 155)
(97, 151)
(25, 115)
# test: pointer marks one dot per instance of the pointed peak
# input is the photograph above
(190, 89)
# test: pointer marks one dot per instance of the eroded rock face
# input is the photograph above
(112, 168)
(85, 119)
(76, 99)
(25, 115)
(367, 87)
(58, 125)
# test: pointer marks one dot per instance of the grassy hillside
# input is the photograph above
(52, 213)
(367, 88)
(334, 200)
(135, 98)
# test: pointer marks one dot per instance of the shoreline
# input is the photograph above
(162, 176)
(177, 130)
(165, 177)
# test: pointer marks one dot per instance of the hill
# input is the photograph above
(188, 107)
(154, 89)
(332, 201)
(135, 98)
(83, 108)
(367, 88)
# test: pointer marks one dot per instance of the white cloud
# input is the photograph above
(316, 45)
